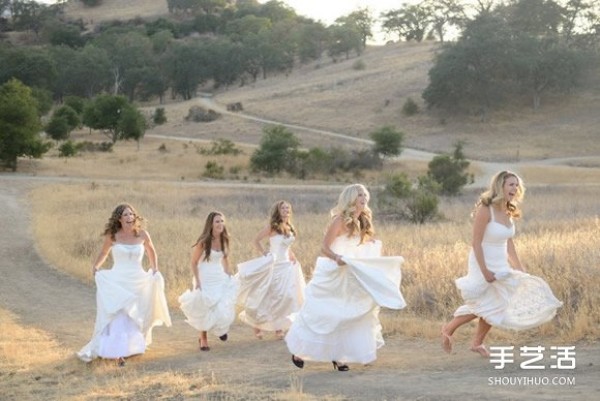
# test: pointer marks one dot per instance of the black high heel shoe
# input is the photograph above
(341, 368)
(223, 337)
(299, 363)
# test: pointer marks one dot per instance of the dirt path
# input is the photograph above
(407, 369)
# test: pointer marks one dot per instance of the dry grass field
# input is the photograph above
(58, 208)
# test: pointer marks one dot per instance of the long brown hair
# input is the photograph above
(206, 237)
(114, 225)
(286, 228)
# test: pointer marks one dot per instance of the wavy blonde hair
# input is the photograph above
(494, 195)
(346, 206)
(276, 222)
(114, 225)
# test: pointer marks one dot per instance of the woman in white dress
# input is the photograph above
(496, 288)
(339, 321)
(210, 305)
(130, 300)
(272, 286)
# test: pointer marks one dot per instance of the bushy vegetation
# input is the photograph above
(279, 152)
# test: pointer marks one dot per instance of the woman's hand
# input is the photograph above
(488, 275)
(339, 261)
(94, 270)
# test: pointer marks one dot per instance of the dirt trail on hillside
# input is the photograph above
(407, 369)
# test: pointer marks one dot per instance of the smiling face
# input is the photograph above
(285, 211)
(127, 218)
(218, 225)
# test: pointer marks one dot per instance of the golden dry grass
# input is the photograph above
(33, 366)
(556, 241)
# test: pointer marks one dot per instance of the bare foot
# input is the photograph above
(446, 341)
(481, 350)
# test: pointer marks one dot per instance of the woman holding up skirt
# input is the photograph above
(210, 305)
(339, 321)
(130, 300)
(272, 286)
(496, 288)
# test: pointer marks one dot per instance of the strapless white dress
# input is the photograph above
(339, 320)
(130, 302)
(515, 300)
(211, 308)
(271, 287)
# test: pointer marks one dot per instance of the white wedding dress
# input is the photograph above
(515, 300)
(339, 320)
(211, 308)
(271, 287)
(130, 302)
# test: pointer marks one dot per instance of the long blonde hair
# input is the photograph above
(494, 195)
(346, 206)
(276, 222)
(206, 237)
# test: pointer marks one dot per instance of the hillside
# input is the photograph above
(342, 98)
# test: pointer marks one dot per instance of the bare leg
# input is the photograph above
(449, 329)
(483, 328)
(203, 341)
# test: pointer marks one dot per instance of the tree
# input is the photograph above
(360, 21)
(410, 22)
(115, 116)
(276, 151)
(444, 13)
(450, 171)
(474, 73)
(19, 125)
(388, 141)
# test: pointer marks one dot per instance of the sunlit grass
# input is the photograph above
(557, 240)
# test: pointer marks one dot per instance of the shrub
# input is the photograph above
(388, 141)
(67, 149)
(422, 206)
(449, 171)
(159, 117)
(221, 147)
(213, 170)
(410, 107)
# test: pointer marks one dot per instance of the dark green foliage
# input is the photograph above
(277, 150)
(159, 117)
(401, 199)
(410, 107)
(422, 206)
(70, 116)
(450, 171)
(58, 128)
(115, 116)
(19, 124)
(67, 149)
(388, 141)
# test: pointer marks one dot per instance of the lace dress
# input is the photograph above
(271, 287)
(130, 302)
(339, 320)
(515, 300)
(212, 307)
